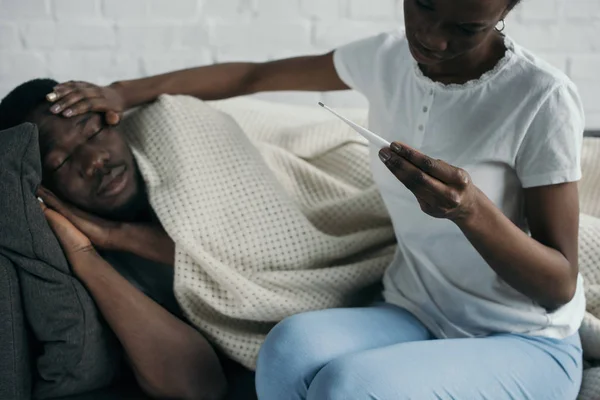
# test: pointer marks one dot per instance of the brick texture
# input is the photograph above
(106, 40)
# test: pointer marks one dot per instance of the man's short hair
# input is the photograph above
(21, 101)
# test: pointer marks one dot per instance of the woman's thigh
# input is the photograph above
(498, 367)
(298, 347)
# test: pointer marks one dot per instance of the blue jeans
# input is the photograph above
(385, 353)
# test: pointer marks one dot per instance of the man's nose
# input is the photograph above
(93, 160)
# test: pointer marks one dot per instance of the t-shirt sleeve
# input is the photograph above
(359, 63)
(550, 152)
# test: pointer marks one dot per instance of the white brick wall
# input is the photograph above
(105, 40)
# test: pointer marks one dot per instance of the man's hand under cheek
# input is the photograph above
(77, 247)
(71, 239)
(146, 240)
(100, 232)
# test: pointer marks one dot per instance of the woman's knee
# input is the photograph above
(339, 380)
(289, 357)
(284, 339)
(364, 375)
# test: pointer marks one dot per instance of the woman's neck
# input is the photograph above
(469, 66)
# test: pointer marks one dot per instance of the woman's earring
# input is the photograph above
(503, 24)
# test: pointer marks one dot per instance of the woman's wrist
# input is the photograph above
(473, 216)
(121, 88)
(136, 92)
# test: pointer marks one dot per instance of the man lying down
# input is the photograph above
(244, 227)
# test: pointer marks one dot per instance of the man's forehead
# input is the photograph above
(51, 126)
(45, 120)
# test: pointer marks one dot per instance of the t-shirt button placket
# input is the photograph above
(424, 117)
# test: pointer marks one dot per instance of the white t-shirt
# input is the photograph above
(518, 126)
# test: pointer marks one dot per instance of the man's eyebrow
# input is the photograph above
(49, 146)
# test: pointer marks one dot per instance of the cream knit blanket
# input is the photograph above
(274, 212)
(275, 219)
(589, 265)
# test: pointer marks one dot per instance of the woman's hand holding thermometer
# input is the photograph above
(442, 190)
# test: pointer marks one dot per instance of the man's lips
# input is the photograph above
(113, 182)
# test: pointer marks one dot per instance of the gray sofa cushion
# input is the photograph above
(15, 372)
(592, 133)
(79, 352)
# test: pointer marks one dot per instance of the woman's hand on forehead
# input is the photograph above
(71, 99)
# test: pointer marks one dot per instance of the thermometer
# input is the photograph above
(367, 134)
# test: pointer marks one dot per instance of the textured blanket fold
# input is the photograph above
(267, 223)
(589, 265)
(273, 216)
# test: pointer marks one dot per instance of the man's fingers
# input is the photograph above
(46, 195)
(53, 202)
(72, 213)
(72, 240)
(54, 219)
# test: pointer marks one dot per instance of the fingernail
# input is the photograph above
(68, 113)
(55, 108)
(51, 96)
(396, 147)
(384, 156)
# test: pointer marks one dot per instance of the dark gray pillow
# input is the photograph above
(79, 352)
(15, 371)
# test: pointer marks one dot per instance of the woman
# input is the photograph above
(483, 298)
